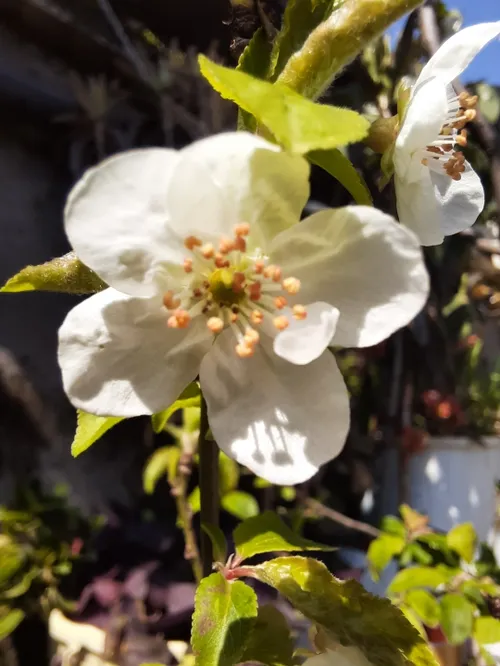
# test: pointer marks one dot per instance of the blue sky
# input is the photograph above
(487, 64)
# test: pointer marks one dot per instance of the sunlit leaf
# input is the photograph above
(298, 124)
(66, 274)
(240, 504)
(382, 550)
(463, 539)
(9, 620)
(487, 630)
(457, 617)
(224, 616)
(190, 397)
(163, 462)
(425, 606)
(413, 577)
(267, 533)
(89, 429)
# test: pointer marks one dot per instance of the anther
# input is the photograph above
(242, 229)
(257, 317)
(179, 319)
(255, 291)
(170, 301)
(280, 323)
(240, 244)
(299, 312)
(273, 272)
(280, 302)
(226, 245)
(215, 324)
(259, 266)
(251, 337)
(188, 265)
(208, 251)
(238, 282)
(191, 242)
(291, 285)
(233, 318)
(244, 351)
(220, 262)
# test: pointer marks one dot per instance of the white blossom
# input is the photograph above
(438, 193)
(210, 275)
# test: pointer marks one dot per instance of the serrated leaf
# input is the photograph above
(229, 474)
(190, 397)
(463, 539)
(414, 577)
(270, 643)
(487, 630)
(9, 620)
(254, 60)
(298, 124)
(346, 611)
(457, 618)
(89, 429)
(341, 168)
(267, 533)
(66, 274)
(219, 543)
(382, 550)
(224, 616)
(240, 504)
(425, 606)
(412, 617)
(299, 20)
(163, 462)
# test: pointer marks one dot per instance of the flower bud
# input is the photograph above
(382, 134)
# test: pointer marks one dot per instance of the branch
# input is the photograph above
(316, 508)
(208, 453)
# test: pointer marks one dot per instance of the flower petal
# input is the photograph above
(119, 358)
(458, 51)
(305, 340)
(237, 177)
(362, 262)
(282, 421)
(425, 115)
(116, 216)
(418, 208)
(460, 201)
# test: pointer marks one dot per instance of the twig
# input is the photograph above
(185, 515)
(208, 453)
(323, 511)
(488, 137)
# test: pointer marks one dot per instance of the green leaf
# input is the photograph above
(270, 643)
(382, 550)
(229, 474)
(299, 20)
(298, 124)
(219, 543)
(346, 611)
(419, 555)
(90, 428)
(412, 617)
(254, 60)
(393, 525)
(341, 168)
(425, 606)
(487, 630)
(65, 273)
(456, 618)
(21, 586)
(240, 504)
(267, 533)
(223, 620)
(413, 577)
(463, 539)
(9, 620)
(163, 462)
(190, 397)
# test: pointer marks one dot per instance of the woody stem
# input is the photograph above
(208, 452)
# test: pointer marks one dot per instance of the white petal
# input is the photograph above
(425, 115)
(458, 51)
(360, 261)
(119, 358)
(282, 421)
(305, 340)
(461, 201)
(418, 208)
(116, 219)
(238, 177)
(340, 656)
